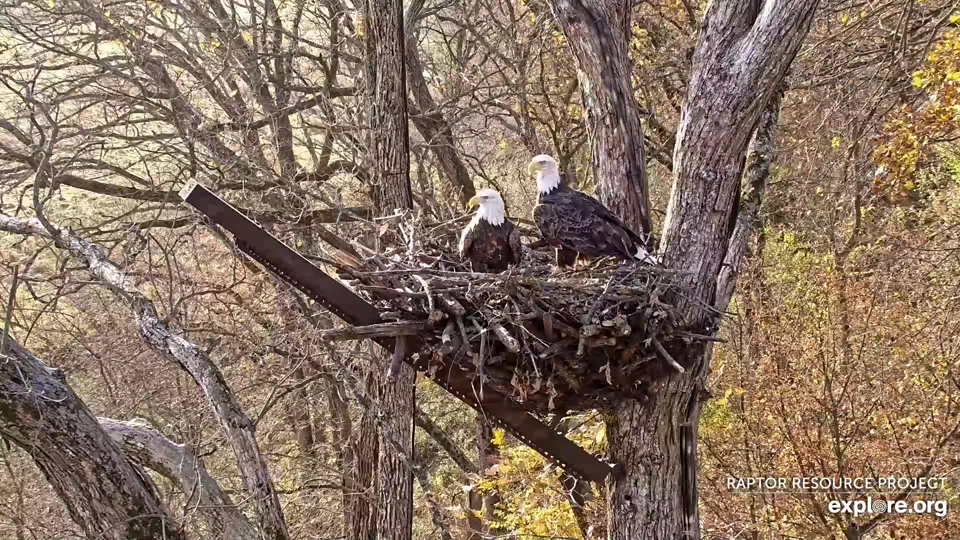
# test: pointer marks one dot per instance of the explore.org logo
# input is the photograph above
(861, 507)
(857, 496)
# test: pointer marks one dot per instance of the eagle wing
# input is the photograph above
(516, 247)
(606, 214)
(579, 222)
(466, 240)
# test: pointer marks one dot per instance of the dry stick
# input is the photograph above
(399, 352)
(548, 327)
(699, 337)
(581, 345)
(502, 334)
(453, 308)
(480, 359)
(448, 340)
(434, 316)
(667, 357)
(9, 315)
(391, 329)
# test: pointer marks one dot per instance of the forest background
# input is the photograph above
(842, 342)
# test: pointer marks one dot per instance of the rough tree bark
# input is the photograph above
(178, 463)
(162, 335)
(598, 33)
(360, 511)
(742, 54)
(389, 147)
(487, 456)
(104, 493)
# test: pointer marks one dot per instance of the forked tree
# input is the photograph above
(741, 57)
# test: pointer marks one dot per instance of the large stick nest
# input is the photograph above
(582, 339)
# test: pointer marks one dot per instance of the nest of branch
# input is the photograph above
(578, 340)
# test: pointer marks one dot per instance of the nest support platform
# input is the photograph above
(578, 340)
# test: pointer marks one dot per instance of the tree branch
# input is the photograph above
(104, 494)
(401, 328)
(178, 463)
(166, 339)
(761, 156)
(449, 446)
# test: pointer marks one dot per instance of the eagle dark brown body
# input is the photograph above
(574, 222)
(491, 248)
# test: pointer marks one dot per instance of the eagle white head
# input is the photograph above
(491, 206)
(548, 172)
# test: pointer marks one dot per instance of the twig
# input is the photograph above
(9, 315)
(400, 328)
(399, 351)
(699, 337)
(667, 357)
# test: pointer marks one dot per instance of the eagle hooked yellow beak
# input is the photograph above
(534, 167)
(473, 202)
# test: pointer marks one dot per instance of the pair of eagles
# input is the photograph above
(572, 222)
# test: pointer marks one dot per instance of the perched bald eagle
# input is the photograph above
(576, 223)
(490, 241)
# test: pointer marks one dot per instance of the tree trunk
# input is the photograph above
(389, 139)
(488, 454)
(741, 57)
(105, 495)
(360, 460)
(598, 33)
(387, 106)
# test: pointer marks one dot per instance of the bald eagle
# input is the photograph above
(576, 223)
(490, 241)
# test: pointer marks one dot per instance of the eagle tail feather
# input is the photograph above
(643, 256)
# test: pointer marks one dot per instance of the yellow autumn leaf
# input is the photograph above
(909, 185)
(919, 79)
(835, 143)
(844, 18)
